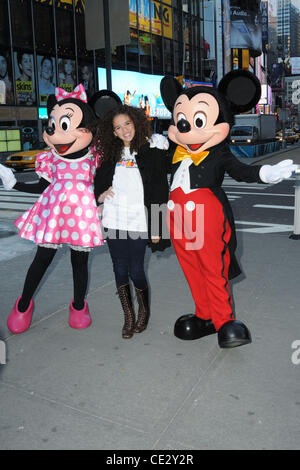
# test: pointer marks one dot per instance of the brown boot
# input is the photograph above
(126, 301)
(144, 310)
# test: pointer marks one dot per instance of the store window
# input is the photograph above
(168, 52)
(44, 27)
(4, 26)
(21, 23)
(145, 51)
(132, 51)
(157, 54)
(65, 32)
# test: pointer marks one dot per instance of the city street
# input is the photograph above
(91, 389)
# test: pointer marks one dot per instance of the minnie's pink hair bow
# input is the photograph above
(78, 94)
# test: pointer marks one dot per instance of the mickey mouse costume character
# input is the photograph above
(66, 212)
(200, 217)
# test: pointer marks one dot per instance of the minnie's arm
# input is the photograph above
(9, 182)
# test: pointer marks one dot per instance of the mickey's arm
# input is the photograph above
(258, 173)
(9, 182)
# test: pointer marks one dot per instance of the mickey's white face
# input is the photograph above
(197, 130)
(68, 137)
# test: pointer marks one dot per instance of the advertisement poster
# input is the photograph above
(46, 78)
(295, 64)
(276, 77)
(137, 89)
(226, 35)
(246, 27)
(6, 90)
(24, 72)
(160, 13)
(66, 74)
(86, 77)
(209, 30)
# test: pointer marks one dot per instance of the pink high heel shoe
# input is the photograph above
(79, 319)
(19, 322)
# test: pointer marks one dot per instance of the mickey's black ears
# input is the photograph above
(104, 101)
(242, 89)
(170, 89)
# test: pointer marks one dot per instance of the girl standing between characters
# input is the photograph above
(133, 176)
(66, 212)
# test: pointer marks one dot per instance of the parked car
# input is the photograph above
(247, 134)
(291, 137)
(21, 160)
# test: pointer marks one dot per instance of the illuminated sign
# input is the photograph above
(43, 113)
(161, 17)
(137, 89)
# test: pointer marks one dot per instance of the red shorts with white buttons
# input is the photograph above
(200, 233)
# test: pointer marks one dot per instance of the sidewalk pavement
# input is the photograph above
(91, 389)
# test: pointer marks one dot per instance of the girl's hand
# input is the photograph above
(155, 239)
(107, 194)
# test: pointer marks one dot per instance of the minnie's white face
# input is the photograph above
(68, 137)
(199, 114)
(123, 127)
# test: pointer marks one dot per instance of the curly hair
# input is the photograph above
(108, 144)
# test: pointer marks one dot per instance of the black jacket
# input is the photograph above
(210, 174)
(153, 165)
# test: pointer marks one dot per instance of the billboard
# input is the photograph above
(246, 27)
(154, 13)
(6, 89)
(295, 63)
(276, 77)
(226, 30)
(46, 78)
(137, 89)
(24, 73)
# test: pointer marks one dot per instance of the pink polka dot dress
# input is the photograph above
(66, 212)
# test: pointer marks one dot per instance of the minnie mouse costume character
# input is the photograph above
(200, 217)
(66, 212)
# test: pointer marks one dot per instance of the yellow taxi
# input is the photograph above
(21, 160)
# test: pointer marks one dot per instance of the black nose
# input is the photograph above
(50, 130)
(183, 126)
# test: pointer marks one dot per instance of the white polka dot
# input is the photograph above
(45, 201)
(62, 197)
(68, 185)
(78, 211)
(80, 176)
(85, 200)
(93, 227)
(89, 214)
(53, 167)
(96, 241)
(36, 220)
(91, 189)
(29, 227)
(48, 237)
(68, 176)
(52, 199)
(57, 235)
(39, 235)
(46, 213)
(74, 198)
(75, 236)
(52, 223)
(56, 210)
(80, 186)
(82, 224)
(86, 238)
(71, 222)
(62, 165)
(65, 234)
(57, 187)
(85, 166)
(67, 210)
(61, 222)
(74, 166)
(93, 171)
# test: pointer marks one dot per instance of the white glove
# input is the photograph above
(7, 177)
(159, 141)
(278, 172)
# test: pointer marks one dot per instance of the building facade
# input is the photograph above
(42, 45)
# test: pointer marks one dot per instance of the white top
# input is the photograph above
(126, 210)
(182, 177)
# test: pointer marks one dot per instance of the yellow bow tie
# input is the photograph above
(181, 154)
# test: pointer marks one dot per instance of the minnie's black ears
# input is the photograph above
(104, 101)
(170, 89)
(242, 89)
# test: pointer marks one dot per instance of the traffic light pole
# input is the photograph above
(108, 61)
